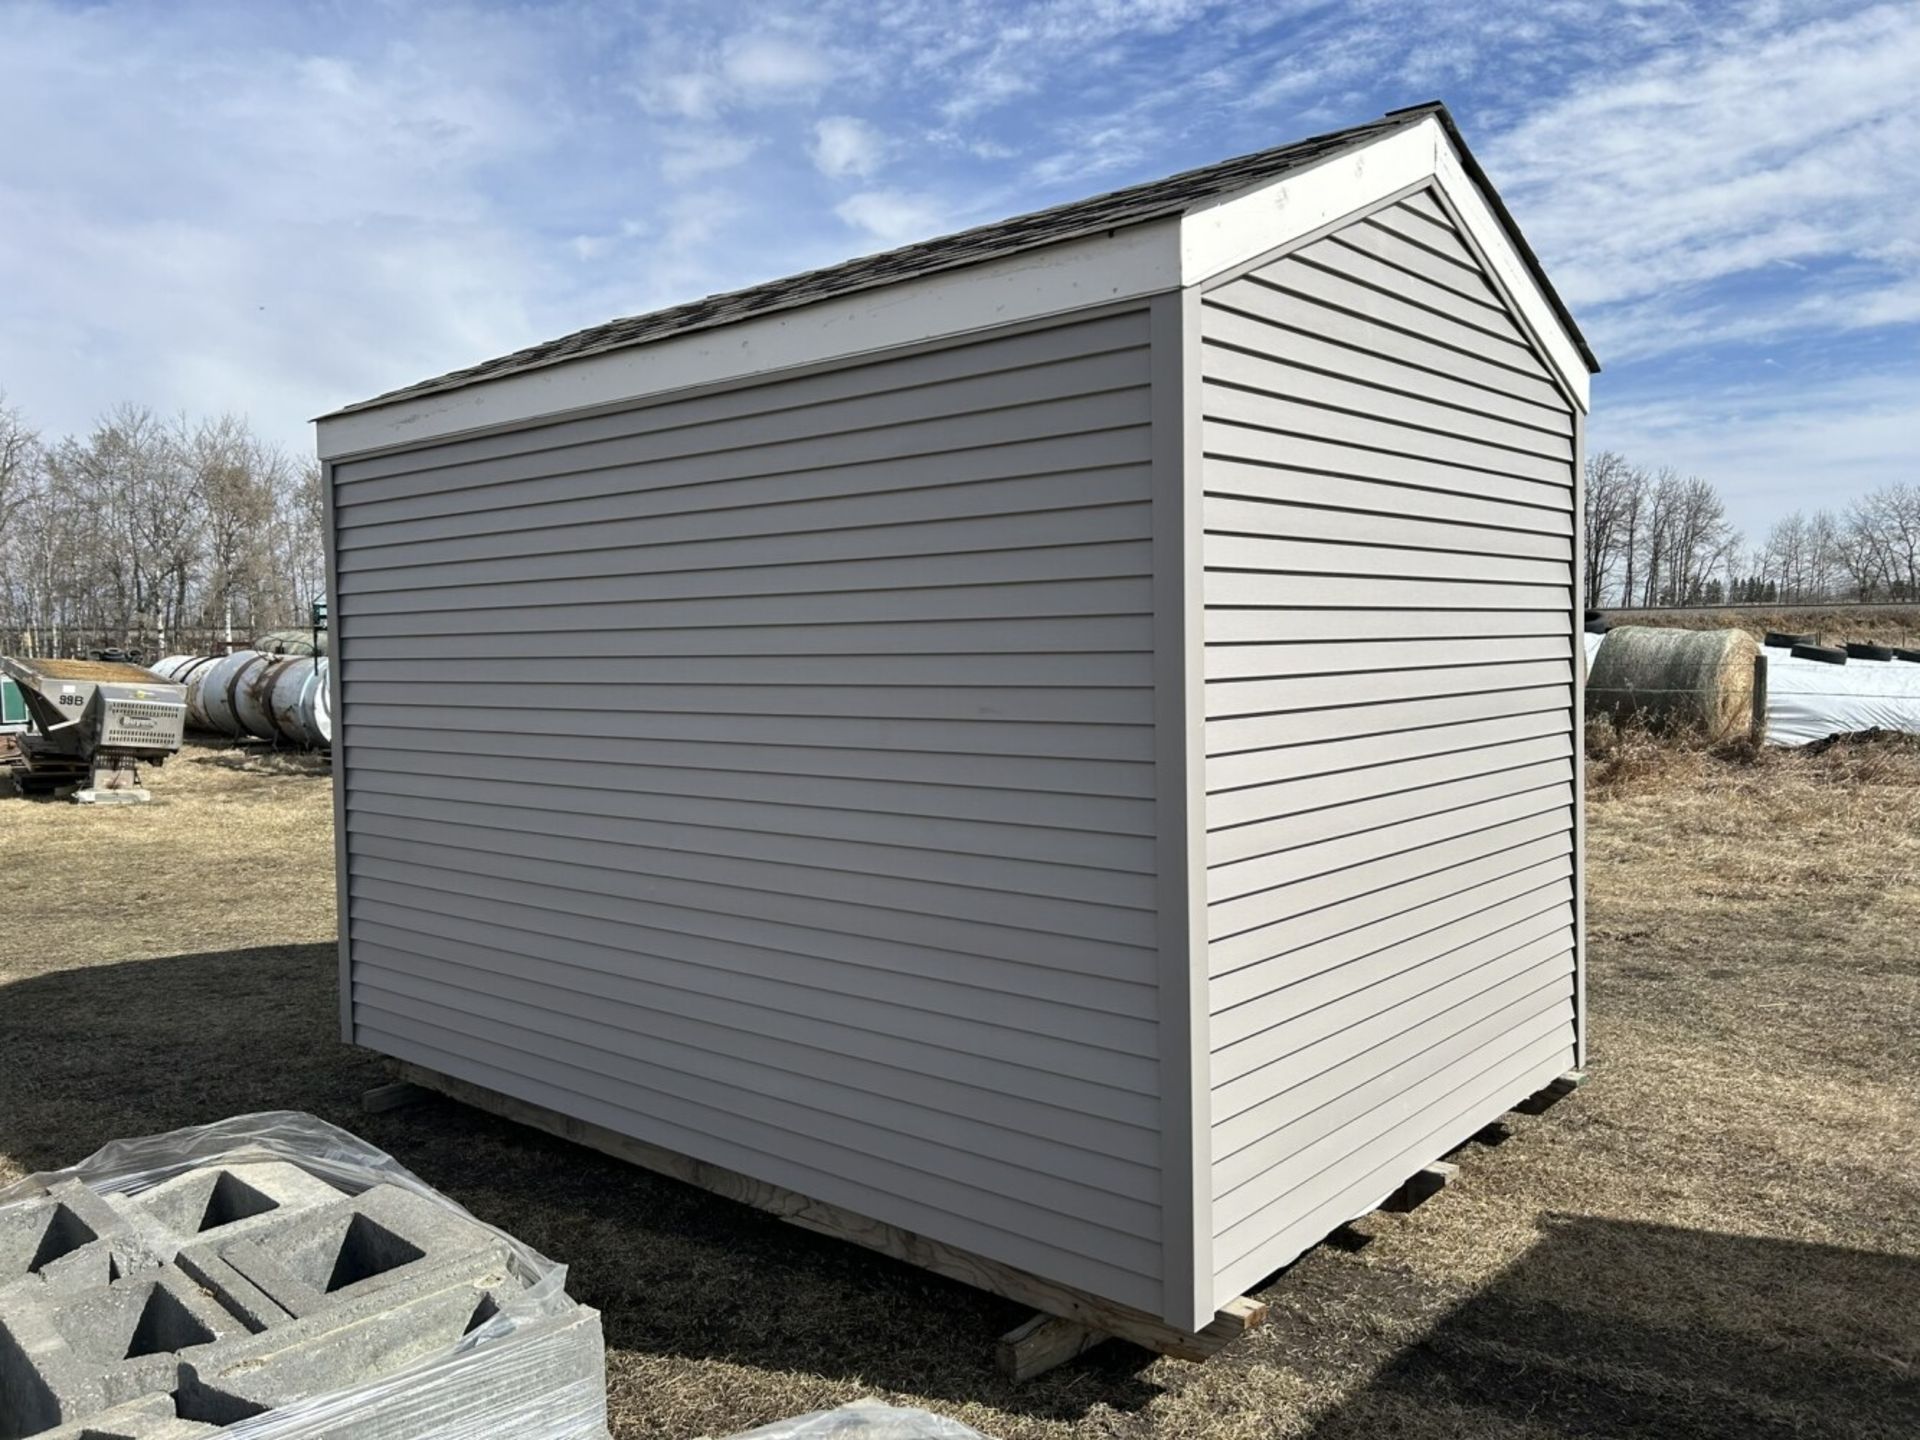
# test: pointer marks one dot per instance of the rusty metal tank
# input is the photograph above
(295, 687)
(186, 670)
(247, 694)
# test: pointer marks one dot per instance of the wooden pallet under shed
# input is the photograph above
(1069, 1322)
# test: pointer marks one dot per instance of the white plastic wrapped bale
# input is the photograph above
(272, 1277)
(865, 1420)
(1809, 700)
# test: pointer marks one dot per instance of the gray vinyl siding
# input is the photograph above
(769, 775)
(1390, 729)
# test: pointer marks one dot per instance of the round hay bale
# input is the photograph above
(1698, 680)
(1864, 650)
(1785, 640)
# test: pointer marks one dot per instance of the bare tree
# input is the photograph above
(141, 527)
(1654, 533)
(1699, 541)
(19, 463)
(301, 525)
(1611, 484)
(1888, 521)
(1655, 538)
(1633, 506)
(1782, 563)
(234, 478)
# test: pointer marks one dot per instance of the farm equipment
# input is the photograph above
(97, 722)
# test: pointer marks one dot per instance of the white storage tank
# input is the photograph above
(251, 694)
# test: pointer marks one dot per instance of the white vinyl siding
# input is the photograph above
(1389, 517)
(768, 775)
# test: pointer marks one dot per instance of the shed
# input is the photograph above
(1058, 740)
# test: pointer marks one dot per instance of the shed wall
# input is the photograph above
(1389, 520)
(769, 775)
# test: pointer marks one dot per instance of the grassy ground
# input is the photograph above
(1879, 625)
(1719, 1236)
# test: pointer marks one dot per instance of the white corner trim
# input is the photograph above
(1230, 232)
(1073, 275)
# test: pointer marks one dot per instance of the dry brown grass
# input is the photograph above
(1718, 1237)
(1879, 625)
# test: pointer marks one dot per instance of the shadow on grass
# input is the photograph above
(1602, 1328)
(1622, 1328)
(92, 1053)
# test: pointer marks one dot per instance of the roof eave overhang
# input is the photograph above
(1115, 266)
(1134, 262)
(1226, 234)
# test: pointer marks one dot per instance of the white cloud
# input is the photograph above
(267, 231)
(844, 145)
(690, 154)
(1774, 447)
(892, 217)
(257, 207)
(1667, 322)
(765, 67)
(687, 75)
(694, 96)
(1088, 157)
(983, 56)
(1766, 140)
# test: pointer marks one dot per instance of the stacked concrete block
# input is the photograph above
(256, 1294)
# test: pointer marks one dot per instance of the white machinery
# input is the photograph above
(97, 721)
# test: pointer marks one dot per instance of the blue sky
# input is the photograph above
(278, 208)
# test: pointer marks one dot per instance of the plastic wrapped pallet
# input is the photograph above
(272, 1277)
(864, 1420)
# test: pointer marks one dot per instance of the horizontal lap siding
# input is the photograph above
(768, 775)
(1389, 728)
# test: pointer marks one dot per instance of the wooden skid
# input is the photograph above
(1121, 1322)
(1420, 1187)
(1042, 1343)
(391, 1097)
(1545, 1099)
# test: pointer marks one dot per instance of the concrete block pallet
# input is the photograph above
(253, 1295)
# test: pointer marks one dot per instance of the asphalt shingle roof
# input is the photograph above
(1134, 205)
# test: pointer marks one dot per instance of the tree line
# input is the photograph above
(1656, 537)
(152, 534)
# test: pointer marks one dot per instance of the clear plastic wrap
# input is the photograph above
(1809, 701)
(528, 1362)
(864, 1420)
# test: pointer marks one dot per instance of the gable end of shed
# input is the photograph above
(1228, 237)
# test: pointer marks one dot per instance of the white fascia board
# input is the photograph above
(1132, 263)
(1230, 232)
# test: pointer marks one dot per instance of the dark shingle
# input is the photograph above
(1135, 205)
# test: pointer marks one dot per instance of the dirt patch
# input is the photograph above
(1718, 1236)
